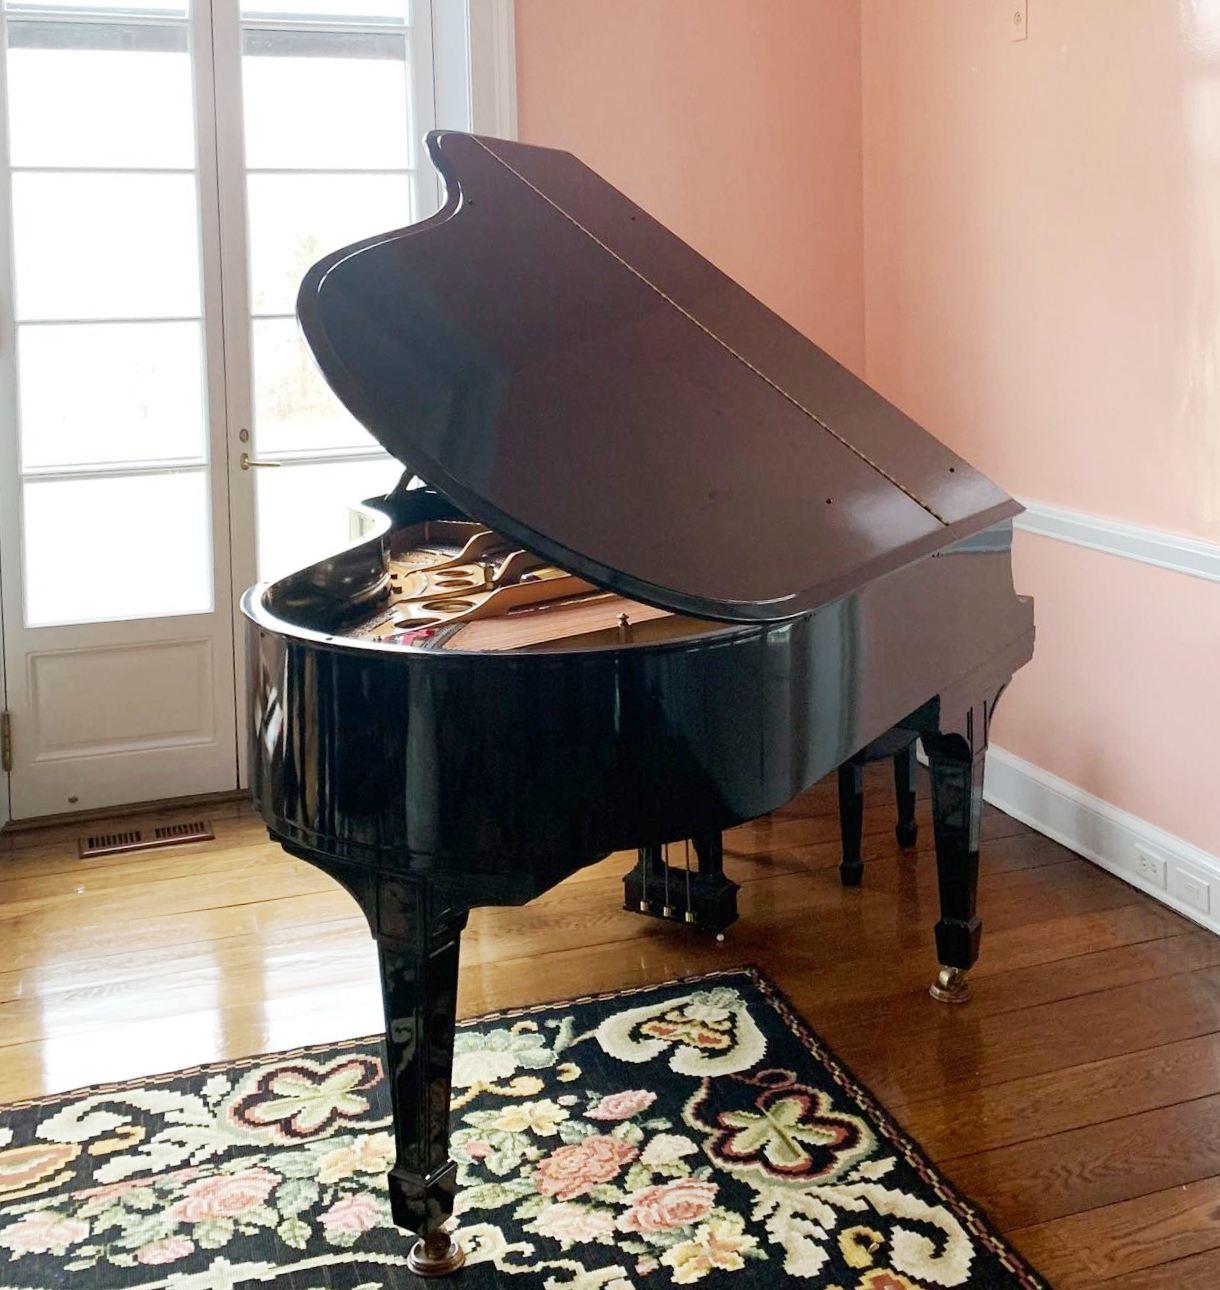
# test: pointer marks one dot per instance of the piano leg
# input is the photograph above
(851, 820)
(418, 935)
(906, 830)
(956, 761)
(709, 856)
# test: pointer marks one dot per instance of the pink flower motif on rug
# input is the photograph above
(43, 1232)
(170, 1250)
(573, 1170)
(672, 1204)
(622, 1106)
(351, 1215)
(224, 1196)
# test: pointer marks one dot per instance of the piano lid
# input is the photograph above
(567, 371)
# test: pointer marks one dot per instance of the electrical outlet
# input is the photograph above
(1190, 887)
(1150, 867)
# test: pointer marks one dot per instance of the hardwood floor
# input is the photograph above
(1076, 1098)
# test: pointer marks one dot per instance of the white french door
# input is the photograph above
(172, 167)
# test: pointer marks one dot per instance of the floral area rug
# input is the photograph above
(693, 1132)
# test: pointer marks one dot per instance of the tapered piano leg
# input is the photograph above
(956, 761)
(851, 820)
(906, 830)
(417, 940)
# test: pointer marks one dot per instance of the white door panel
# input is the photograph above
(80, 708)
(85, 736)
(117, 594)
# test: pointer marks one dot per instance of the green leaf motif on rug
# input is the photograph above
(294, 1232)
(294, 1195)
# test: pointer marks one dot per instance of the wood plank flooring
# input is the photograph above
(1077, 1097)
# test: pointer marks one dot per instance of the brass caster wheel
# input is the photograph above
(437, 1255)
(950, 986)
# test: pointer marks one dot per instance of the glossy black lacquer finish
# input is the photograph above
(429, 780)
(567, 371)
(560, 368)
(512, 769)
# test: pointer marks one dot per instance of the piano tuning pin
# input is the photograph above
(488, 574)
(690, 916)
(667, 911)
(644, 907)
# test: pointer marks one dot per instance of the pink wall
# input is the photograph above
(738, 125)
(1042, 240)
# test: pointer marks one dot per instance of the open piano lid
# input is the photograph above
(567, 371)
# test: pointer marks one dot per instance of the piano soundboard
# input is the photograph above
(457, 585)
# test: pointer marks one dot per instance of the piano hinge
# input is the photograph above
(6, 740)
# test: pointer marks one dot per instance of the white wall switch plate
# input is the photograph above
(1191, 888)
(1016, 14)
(1150, 866)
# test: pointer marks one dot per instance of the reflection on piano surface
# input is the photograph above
(671, 564)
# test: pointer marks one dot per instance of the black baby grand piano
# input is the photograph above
(670, 565)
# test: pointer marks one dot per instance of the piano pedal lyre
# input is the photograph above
(699, 896)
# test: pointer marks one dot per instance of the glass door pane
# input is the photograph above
(331, 130)
(111, 399)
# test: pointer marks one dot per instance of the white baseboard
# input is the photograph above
(1177, 873)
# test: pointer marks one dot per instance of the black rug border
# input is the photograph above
(967, 1211)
